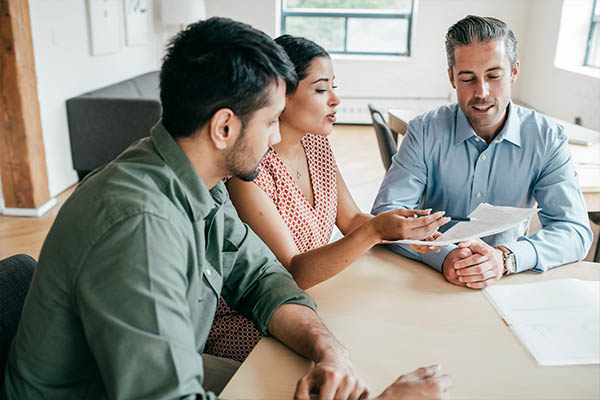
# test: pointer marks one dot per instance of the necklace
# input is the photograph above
(298, 173)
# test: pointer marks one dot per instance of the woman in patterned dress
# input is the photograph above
(300, 194)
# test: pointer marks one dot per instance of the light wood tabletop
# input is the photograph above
(395, 315)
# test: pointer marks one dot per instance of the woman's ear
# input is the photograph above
(224, 128)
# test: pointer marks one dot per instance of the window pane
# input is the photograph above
(377, 35)
(594, 50)
(325, 31)
(402, 5)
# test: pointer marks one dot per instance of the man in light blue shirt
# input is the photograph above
(486, 149)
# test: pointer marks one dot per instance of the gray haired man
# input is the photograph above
(486, 149)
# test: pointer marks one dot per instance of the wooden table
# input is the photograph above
(586, 159)
(395, 315)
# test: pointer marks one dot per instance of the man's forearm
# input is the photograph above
(301, 329)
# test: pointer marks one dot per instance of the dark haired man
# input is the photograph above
(488, 149)
(129, 276)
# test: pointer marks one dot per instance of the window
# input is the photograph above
(592, 54)
(351, 26)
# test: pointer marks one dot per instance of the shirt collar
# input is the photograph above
(511, 130)
(200, 200)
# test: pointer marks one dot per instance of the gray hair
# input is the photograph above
(479, 29)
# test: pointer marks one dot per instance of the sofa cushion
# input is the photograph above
(105, 121)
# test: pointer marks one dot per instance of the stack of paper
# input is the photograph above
(557, 321)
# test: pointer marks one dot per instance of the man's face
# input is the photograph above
(260, 132)
(482, 76)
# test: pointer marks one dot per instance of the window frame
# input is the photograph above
(358, 14)
(594, 21)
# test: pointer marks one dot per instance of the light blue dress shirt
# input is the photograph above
(442, 164)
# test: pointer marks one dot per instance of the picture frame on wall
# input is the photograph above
(136, 22)
(104, 26)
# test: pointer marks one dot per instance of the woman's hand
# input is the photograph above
(408, 224)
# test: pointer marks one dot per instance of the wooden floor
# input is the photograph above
(355, 149)
(26, 234)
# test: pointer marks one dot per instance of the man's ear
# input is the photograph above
(451, 77)
(224, 128)
(515, 71)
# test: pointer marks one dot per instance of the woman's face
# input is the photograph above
(311, 108)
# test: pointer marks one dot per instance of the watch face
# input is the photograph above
(510, 262)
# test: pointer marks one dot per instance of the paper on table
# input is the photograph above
(557, 321)
(490, 220)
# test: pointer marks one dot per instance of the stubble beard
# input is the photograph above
(238, 158)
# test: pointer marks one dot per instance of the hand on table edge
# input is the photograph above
(419, 384)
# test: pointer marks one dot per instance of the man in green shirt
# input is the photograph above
(129, 276)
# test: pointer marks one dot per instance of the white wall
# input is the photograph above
(422, 75)
(65, 68)
(552, 90)
(418, 81)
(261, 14)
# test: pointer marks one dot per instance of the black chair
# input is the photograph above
(595, 218)
(15, 277)
(385, 139)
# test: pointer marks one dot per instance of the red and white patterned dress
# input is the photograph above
(232, 335)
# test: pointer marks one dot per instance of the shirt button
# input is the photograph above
(208, 272)
(483, 157)
(214, 206)
(478, 195)
(477, 139)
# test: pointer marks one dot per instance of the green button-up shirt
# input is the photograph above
(128, 281)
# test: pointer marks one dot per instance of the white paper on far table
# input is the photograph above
(557, 321)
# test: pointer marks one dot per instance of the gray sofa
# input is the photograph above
(105, 121)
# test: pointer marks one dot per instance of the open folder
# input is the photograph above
(558, 321)
(489, 221)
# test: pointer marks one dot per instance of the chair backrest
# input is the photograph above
(385, 139)
(15, 277)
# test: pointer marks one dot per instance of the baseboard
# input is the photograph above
(29, 212)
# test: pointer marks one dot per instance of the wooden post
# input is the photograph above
(22, 155)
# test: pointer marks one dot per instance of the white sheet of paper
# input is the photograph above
(490, 220)
(557, 321)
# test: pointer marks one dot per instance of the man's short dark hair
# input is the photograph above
(479, 29)
(302, 53)
(218, 63)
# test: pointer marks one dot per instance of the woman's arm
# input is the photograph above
(315, 266)
(349, 217)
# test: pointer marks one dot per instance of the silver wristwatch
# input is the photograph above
(510, 262)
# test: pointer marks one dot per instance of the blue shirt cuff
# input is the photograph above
(525, 255)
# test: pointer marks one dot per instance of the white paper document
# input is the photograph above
(557, 321)
(490, 220)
